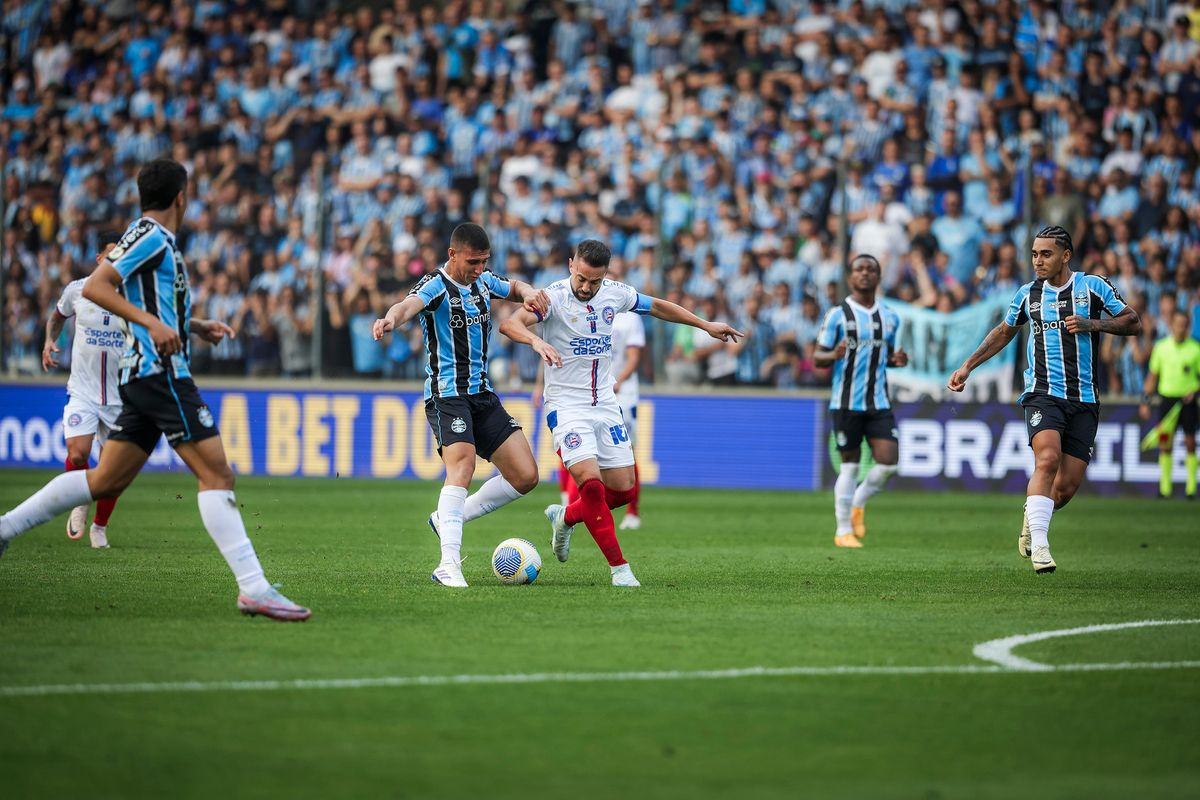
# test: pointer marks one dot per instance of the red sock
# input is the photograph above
(104, 509)
(71, 467)
(637, 491)
(592, 510)
(616, 499)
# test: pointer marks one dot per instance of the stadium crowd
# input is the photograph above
(700, 139)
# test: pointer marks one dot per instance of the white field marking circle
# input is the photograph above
(995, 649)
(999, 651)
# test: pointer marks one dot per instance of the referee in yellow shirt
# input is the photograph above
(1175, 373)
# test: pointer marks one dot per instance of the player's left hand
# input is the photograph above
(549, 355)
(48, 359)
(898, 358)
(213, 331)
(538, 303)
(1077, 324)
(726, 333)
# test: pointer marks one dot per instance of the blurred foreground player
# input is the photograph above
(858, 339)
(157, 391)
(1061, 400)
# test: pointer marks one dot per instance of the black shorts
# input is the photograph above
(1075, 422)
(162, 405)
(851, 427)
(476, 418)
(1189, 415)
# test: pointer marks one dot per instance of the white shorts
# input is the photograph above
(85, 418)
(599, 433)
(628, 402)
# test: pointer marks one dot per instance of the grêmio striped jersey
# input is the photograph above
(156, 281)
(860, 376)
(457, 321)
(1062, 364)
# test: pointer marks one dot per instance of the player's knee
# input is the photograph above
(77, 460)
(526, 480)
(1047, 461)
(106, 485)
(592, 491)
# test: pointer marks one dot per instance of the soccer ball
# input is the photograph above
(516, 561)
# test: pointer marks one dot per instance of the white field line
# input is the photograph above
(999, 651)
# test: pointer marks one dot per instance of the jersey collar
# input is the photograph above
(446, 275)
(170, 236)
(863, 308)
(1054, 288)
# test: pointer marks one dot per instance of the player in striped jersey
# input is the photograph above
(157, 392)
(454, 305)
(858, 339)
(1062, 403)
(94, 399)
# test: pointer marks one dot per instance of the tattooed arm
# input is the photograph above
(996, 340)
(1127, 323)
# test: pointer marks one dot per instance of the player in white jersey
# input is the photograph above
(628, 341)
(581, 407)
(94, 401)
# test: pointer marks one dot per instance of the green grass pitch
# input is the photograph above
(731, 580)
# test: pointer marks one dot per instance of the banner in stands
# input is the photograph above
(696, 440)
(938, 342)
(984, 447)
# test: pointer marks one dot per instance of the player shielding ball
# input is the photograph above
(581, 407)
(858, 339)
(1175, 374)
(157, 393)
(455, 308)
(1061, 401)
(93, 389)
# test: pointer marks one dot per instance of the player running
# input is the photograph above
(1061, 400)
(455, 307)
(858, 339)
(144, 281)
(1175, 373)
(581, 407)
(93, 390)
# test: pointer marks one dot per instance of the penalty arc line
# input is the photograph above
(999, 651)
(415, 681)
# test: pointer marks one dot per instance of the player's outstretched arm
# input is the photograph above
(517, 327)
(102, 287)
(397, 316)
(996, 340)
(672, 312)
(54, 326)
(1127, 323)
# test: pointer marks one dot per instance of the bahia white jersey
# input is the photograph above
(582, 333)
(95, 350)
(628, 331)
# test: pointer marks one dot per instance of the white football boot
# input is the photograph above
(631, 522)
(99, 536)
(77, 522)
(1042, 561)
(623, 576)
(449, 573)
(560, 537)
(272, 604)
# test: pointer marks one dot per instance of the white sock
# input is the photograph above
(843, 493)
(219, 512)
(876, 479)
(1038, 509)
(494, 494)
(450, 522)
(63, 493)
